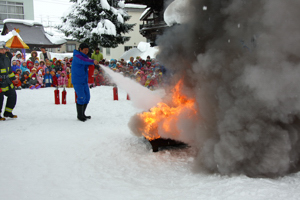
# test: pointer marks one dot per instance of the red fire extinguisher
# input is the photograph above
(128, 97)
(56, 96)
(76, 97)
(115, 91)
(64, 96)
(91, 74)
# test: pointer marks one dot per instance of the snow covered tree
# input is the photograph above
(97, 22)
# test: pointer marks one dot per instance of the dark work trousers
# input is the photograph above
(11, 100)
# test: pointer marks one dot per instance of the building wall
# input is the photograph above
(28, 8)
(135, 35)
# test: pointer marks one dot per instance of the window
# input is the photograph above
(126, 48)
(107, 51)
(11, 10)
(71, 47)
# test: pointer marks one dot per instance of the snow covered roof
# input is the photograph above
(21, 21)
(131, 5)
(33, 33)
(145, 13)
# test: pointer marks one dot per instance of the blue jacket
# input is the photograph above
(79, 69)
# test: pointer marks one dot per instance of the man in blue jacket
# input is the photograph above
(79, 76)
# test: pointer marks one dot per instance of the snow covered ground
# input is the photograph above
(47, 154)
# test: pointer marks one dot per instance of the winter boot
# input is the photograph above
(10, 115)
(2, 118)
(80, 111)
(84, 108)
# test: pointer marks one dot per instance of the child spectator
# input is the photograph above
(54, 79)
(148, 81)
(18, 57)
(25, 80)
(62, 80)
(58, 66)
(58, 74)
(42, 65)
(48, 66)
(98, 79)
(47, 78)
(14, 66)
(40, 79)
(29, 65)
(24, 68)
(33, 78)
(153, 83)
(17, 83)
(36, 64)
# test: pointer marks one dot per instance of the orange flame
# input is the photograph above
(166, 117)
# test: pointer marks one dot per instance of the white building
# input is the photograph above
(16, 9)
(135, 11)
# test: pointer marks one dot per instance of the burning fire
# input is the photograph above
(165, 116)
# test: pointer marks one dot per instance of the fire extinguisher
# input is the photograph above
(115, 91)
(76, 97)
(64, 96)
(128, 97)
(91, 74)
(56, 96)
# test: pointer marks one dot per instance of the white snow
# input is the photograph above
(121, 4)
(9, 35)
(131, 5)
(143, 50)
(22, 21)
(55, 39)
(105, 26)
(105, 4)
(120, 18)
(48, 154)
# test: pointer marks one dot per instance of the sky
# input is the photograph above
(49, 12)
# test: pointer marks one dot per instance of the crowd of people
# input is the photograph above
(40, 71)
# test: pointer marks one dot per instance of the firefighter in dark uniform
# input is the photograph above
(6, 86)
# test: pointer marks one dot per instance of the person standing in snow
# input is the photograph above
(79, 70)
(44, 54)
(97, 56)
(7, 88)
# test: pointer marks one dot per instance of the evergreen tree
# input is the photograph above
(97, 22)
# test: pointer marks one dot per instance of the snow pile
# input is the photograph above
(9, 35)
(143, 50)
(105, 26)
(55, 39)
(121, 4)
(105, 4)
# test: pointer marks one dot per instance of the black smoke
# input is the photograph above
(240, 59)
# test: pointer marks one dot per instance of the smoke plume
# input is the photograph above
(240, 60)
